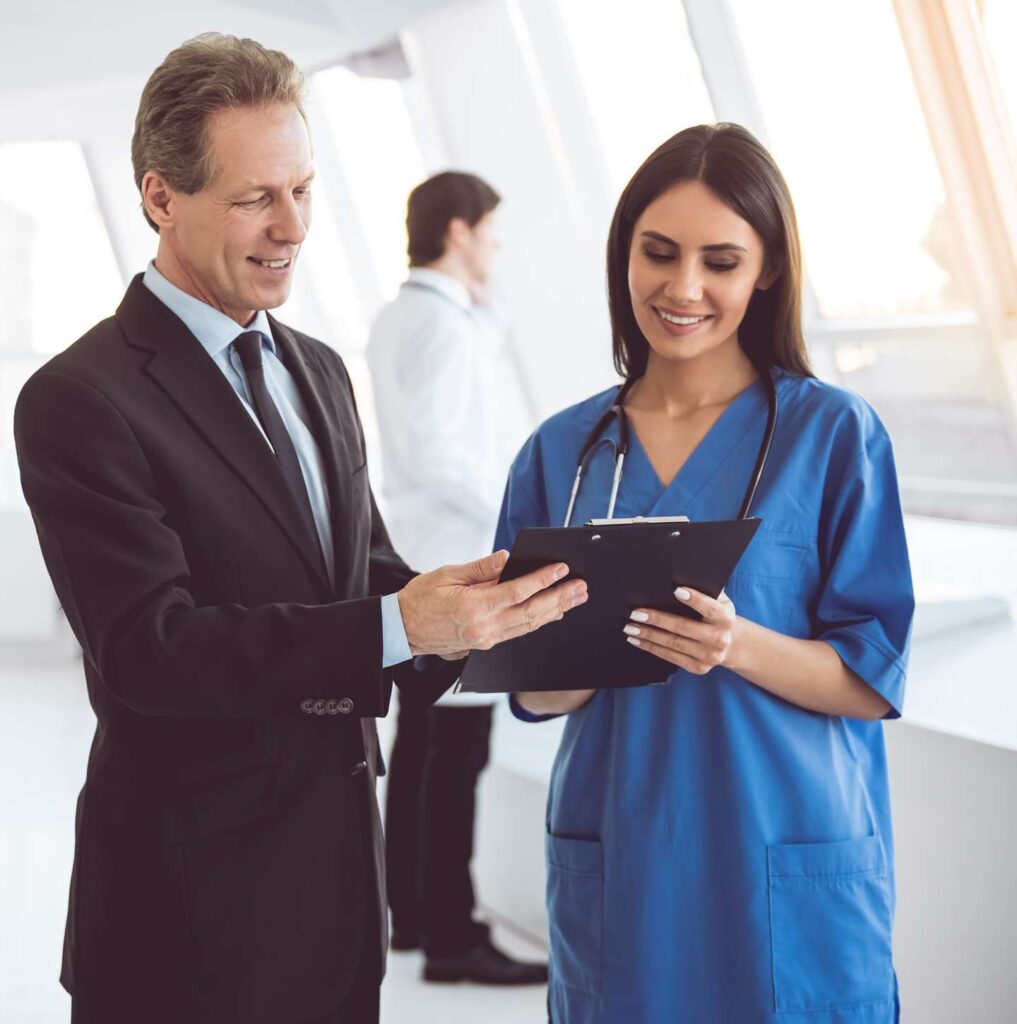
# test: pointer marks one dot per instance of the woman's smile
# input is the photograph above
(680, 324)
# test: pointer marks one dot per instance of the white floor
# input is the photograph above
(45, 730)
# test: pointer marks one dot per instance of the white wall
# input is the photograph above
(956, 936)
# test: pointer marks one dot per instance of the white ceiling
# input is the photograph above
(67, 63)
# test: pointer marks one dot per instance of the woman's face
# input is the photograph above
(693, 266)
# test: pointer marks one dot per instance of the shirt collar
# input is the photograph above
(442, 282)
(215, 330)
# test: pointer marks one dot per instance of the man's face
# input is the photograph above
(234, 244)
(481, 247)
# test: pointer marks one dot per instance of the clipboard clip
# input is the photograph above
(638, 520)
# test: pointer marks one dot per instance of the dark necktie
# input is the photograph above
(248, 347)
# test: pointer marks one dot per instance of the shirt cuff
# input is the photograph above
(395, 648)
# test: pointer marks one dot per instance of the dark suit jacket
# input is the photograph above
(228, 846)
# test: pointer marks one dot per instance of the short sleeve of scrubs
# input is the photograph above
(865, 603)
(522, 504)
(526, 716)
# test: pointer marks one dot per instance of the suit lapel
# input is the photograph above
(321, 398)
(184, 370)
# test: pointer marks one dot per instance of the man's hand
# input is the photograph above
(461, 608)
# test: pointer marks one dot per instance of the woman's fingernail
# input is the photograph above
(562, 570)
(631, 630)
(635, 643)
(682, 594)
(640, 617)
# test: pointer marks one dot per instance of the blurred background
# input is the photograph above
(894, 122)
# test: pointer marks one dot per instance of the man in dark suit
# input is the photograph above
(197, 475)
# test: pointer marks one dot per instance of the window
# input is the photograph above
(373, 139)
(58, 275)
(845, 124)
(640, 73)
(1000, 19)
(55, 243)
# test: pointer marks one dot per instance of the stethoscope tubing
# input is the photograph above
(617, 412)
(764, 448)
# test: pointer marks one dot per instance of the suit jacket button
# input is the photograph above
(307, 706)
(332, 707)
(319, 707)
(345, 706)
(358, 768)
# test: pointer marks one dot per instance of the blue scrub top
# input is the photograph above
(717, 855)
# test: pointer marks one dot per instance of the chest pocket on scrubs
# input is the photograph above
(769, 580)
(830, 925)
(575, 904)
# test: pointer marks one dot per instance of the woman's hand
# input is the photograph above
(694, 646)
(808, 673)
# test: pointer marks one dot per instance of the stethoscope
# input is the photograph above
(621, 448)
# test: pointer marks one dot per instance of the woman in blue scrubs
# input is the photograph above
(719, 848)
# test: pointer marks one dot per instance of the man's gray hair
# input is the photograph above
(206, 74)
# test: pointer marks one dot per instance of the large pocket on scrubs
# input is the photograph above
(575, 906)
(830, 925)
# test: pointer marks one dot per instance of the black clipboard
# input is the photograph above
(626, 566)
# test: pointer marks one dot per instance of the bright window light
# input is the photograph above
(640, 73)
(846, 126)
(58, 275)
(377, 148)
(55, 243)
(324, 300)
(1000, 17)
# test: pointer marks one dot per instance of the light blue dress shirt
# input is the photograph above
(216, 332)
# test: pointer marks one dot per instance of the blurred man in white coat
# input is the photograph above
(434, 355)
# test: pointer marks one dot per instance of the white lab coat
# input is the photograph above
(450, 417)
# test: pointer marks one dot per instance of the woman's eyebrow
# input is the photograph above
(656, 236)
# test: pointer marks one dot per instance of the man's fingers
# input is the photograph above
(482, 570)
(521, 589)
(544, 607)
(454, 655)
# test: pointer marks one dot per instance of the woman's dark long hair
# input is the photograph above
(734, 165)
